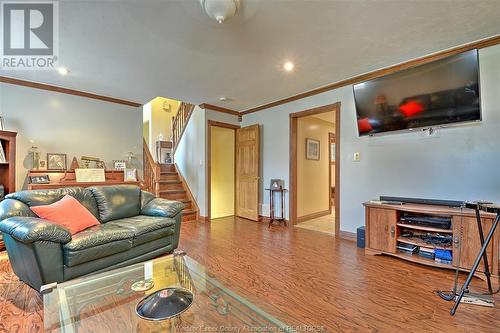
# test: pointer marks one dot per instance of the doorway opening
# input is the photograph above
(221, 170)
(315, 169)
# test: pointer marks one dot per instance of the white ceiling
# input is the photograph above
(137, 50)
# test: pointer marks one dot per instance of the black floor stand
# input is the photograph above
(482, 255)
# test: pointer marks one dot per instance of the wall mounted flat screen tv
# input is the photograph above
(442, 92)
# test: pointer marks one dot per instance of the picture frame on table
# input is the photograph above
(42, 164)
(276, 184)
(120, 164)
(56, 161)
(312, 149)
(40, 179)
(130, 175)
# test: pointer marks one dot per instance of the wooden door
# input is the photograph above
(247, 172)
(382, 229)
(471, 244)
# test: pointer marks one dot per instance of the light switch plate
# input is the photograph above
(356, 157)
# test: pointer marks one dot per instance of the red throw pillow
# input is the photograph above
(67, 212)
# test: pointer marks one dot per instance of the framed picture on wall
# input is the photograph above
(333, 147)
(312, 149)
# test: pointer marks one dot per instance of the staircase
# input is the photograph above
(164, 180)
(171, 186)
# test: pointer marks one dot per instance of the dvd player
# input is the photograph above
(427, 221)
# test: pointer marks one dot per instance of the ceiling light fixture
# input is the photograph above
(63, 71)
(220, 10)
(288, 66)
(223, 99)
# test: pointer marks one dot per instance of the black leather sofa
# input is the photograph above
(135, 226)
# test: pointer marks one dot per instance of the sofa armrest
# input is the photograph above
(162, 207)
(33, 229)
(13, 207)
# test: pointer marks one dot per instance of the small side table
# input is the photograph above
(272, 205)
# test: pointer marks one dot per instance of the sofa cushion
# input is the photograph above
(47, 197)
(97, 242)
(116, 202)
(146, 228)
(67, 212)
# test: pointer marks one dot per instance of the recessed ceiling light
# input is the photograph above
(63, 71)
(288, 66)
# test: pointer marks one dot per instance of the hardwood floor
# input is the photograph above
(320, 280)
(20, 306)
(307, 277)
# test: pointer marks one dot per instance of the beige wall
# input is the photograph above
(76, 126)
(160, 120)
(222, 172)
(313, 176)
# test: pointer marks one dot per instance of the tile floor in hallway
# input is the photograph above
(324, 224)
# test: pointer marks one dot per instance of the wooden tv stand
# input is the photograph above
(383, 233)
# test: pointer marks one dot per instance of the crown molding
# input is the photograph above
(44, 86)
(490, 41)
(218, 108)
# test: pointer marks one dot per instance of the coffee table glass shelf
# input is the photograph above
(105, 302)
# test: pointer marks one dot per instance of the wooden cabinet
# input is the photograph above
(8, 167)
(384, 231)
(467, 243)
(381, 226)
(67, 178)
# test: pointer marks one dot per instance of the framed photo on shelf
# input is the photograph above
(120, 164)
(42, 164)
(100, 165)
(56, 161)
(276, 184)
(41, 179)
(130, 175)
(312, 149)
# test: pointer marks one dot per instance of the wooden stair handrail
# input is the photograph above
(152, 171)
(179, 123)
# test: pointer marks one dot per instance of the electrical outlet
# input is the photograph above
(356, 157)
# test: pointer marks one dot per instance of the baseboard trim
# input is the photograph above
(203, 218)
(347, 235)
(313, 215)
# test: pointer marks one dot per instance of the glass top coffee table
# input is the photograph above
(106, 302)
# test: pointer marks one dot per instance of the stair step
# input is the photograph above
(187, 204)
(188, 215)
(169, 176)
(173, 194)
(170, 185)
(167, 167)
